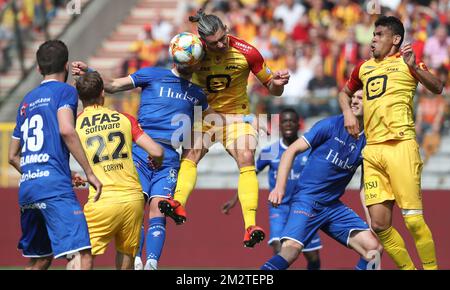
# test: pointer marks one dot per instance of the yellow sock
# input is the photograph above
(395, 246)
(187, 177)
(248, 194)
(423, 239)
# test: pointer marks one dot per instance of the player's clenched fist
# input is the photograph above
(79, 68)
(408, 55)
(280, 78)
(276, 196)
(351, 124)
(77, 179)
(154, 162)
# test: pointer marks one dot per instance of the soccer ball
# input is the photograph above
(186, 49)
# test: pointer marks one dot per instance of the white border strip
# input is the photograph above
(162, 196)
(288, 238)
(37, 256)
(134, 85)
(276, 239)
(72, 251)
(312, 249)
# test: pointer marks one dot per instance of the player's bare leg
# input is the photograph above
(312, 259)
(381, 215)
(290, 250)
(276, 247)
(87, 261)
(74, 262)
(39, 263)
(393, 243)
(367, 246)
(124, 261)
(82, 260)
(243, 151)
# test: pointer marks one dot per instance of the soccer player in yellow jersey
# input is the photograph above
(223, 74)
(392, 164)
(107, 137)
(167, 95)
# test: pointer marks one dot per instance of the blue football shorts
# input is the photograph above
(53, 226)
(162, 181)
(278, 217)
(306, 217)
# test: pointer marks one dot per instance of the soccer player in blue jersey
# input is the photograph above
(52, 220)
(166, 109)
(270, 156)
(335, 156)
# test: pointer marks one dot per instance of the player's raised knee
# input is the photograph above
(414, 222)
(292, 245)
(372, 248)
(290, 250)
(246, 157)
(372, 244)
(379, 226)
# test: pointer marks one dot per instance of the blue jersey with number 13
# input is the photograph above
(44, 160)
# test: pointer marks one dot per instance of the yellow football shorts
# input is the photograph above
(392, 171)
(227, 135)
(121, 221)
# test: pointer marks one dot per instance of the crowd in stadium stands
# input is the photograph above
(31, 16)
(150, 49)
(319, 41)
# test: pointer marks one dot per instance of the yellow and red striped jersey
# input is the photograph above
(224, 76)
(107, 137)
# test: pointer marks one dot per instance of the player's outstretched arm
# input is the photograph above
(284, 168)
(154, 150)
(278, 81)
(79, 68)
(420, 72)
(119, 85)
(71, 139)
(111, 86)
(14, 154)
(351, 123)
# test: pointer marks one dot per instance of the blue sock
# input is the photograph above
(313, 265)
(275, 263)
(141, 242)
(362, 264)
(156, 235)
